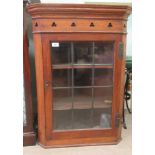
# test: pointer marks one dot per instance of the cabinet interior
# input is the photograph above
(82, 79)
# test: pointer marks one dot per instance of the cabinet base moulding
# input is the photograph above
(29, 138)
(82, 142)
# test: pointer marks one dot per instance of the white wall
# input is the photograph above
(120, 1)
(62, 1)
(129, 36)
(83, 1)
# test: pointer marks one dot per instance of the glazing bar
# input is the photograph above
(72, 62)
(92, 109)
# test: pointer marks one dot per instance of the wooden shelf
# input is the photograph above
(81, 102)
(76, 87)
(78, 66)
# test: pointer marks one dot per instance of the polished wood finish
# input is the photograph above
(81, 11)
(82, 25)
(81, 66)
(78, 18)
(55, 22)
(29, 137)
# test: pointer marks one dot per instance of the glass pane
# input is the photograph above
(61, 52)
(62, 119)
(82, 98)
(62, 113)
(82, 77)
(102, 118)
(83, 52)
(104, 53)
(62, 99)
(86, 102)
(102, 107)
(82, 108)
(62, 77)
(103, 77)
(82, 119)
(24, 109)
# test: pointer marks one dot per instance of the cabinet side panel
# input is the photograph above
(29, 136)
(27, 86)
(122, 83)
(119, 72)
(40, 87)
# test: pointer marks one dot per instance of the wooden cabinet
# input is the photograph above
(29, 136)
(80, 60)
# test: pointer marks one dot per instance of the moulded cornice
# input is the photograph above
(40, 10)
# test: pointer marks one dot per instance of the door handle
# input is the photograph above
(47, 83)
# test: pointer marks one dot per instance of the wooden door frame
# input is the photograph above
(46, 38)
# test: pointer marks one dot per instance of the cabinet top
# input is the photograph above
(41, 10)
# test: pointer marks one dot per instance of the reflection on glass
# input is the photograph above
(62, 99)
(82, 77)
(24, 109)
(61, 52)
(83, 52)
(62, 119)
(82, 98)
(82, 119)
(62, 113)
(102, 118)
(103, 77)
(102, 107)
(82, 108)
(82, 85)
(62, 77)
(103, 53)
(103, 97)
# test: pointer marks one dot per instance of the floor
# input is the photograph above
(123, 148)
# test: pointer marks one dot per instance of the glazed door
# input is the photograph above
(79, 85)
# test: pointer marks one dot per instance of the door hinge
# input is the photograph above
(120, 51)
(117, 120)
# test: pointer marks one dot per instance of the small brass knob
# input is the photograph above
(47, 83)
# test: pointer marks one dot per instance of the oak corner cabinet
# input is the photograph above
(80, 61)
